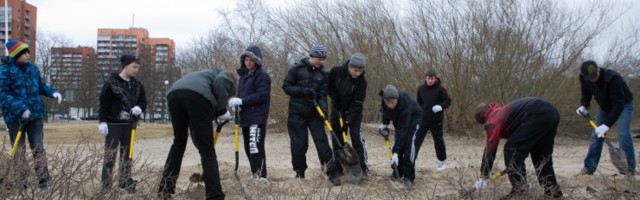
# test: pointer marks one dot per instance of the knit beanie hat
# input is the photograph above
(318, 51)
(254, 53)
(16, 48)
(390, 92)
(357, 61)
(127, 59)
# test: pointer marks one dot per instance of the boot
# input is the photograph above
(129, 185)
(300, 174)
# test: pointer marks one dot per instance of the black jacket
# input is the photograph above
(347, 93)
(300, 76)
(429, 96)
(406, 110)
(115, 92)
(610, 91)
(254, 88)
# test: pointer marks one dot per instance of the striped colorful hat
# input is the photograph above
(16, 48)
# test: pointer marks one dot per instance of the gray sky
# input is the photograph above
(182, 20)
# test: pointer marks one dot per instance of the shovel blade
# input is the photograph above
(350, 162)
(617, 158)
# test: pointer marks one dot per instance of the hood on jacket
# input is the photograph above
(255, 54)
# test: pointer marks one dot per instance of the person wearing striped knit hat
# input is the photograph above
(22, 107)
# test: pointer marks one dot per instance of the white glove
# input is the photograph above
(235, 101)
(601, 130)
(436, 108)
(58, 96)
(582, 111)
(136, 110)
(225, 117)
(26, 114)
(382, 127)
(103, 128)
(394, 159)
(480, 184)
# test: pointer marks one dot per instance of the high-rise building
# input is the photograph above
(22, 23)
(73, 69)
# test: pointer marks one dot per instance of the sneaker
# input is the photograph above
(442, 165)
(335, 179)
(584, 171)
(300, 174)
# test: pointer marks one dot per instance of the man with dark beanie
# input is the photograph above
(20, 88)
(195, 100)
(306, 83)
(254, 95)
(615, 104)
(530, 126)
(400, 108)
(434, 99)
(347, 89)
(122, 101)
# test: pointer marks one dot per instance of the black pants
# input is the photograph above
(32, 131)
(254, 137)
(436, 133)
(299, 126)
(118, 139)
(357, 138)
(408, 149)
(534, 136)
(191, 112)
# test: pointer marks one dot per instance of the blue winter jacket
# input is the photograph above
(254, 88)
(20, 89)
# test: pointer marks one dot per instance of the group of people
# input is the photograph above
(198, 98)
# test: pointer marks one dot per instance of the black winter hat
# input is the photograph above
(127, 59)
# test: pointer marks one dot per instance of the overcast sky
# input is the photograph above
(180, 20)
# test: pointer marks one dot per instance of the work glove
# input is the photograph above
(436, 108)
(234, 103)
(582, 110)
(225, 117)
(394, 159)
(26, 114)
(480, 184)
(103, 128)
(382, 128)
(601, 130)
(309, 93)
(58, 97)
(136, 111)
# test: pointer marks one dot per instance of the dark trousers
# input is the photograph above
(118, 139)
(408, 151)
(436, 133)
(254, 137)
(357, 138)
(534, 136)
(299, 126)
(190, 112)
(32, 131)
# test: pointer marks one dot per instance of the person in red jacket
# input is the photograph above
(530, 126)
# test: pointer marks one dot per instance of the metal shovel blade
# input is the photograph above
(617, 158)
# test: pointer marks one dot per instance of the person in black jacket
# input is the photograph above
(347, 89)
(195, 100)
(254, 94)
(615, 104)
(306, 83)
(122, 101)
(530, 126)
(434, 99)
(400, 108)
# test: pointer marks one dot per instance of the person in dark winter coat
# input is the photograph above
(254, 95)
(400, 108)
(122, 101)
(347, 89)
(22, 107)
(615, 104)
(195, 100)
(530, 127)
(306, 83)
(434, 99)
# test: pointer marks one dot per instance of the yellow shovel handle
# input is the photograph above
(133, 142)
(15, 144)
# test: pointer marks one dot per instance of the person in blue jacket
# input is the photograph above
(254, 95)
(22, 107)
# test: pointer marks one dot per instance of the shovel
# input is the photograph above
(217, 133)
(236, 129)
(385, 134)
(354, 170)
(346, 155)
(133, 138)
(16, 141)
(617, 157)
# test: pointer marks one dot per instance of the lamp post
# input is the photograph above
(165, 115)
